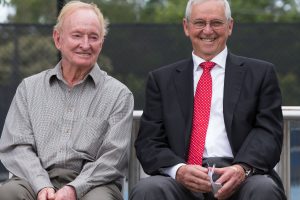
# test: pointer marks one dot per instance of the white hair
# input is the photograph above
(192, 2)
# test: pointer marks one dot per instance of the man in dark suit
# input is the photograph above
(242, 131)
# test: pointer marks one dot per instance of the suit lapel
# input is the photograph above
(234, 76)
(183, 80)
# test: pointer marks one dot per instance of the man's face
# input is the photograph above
(79, 39)
(208, 28)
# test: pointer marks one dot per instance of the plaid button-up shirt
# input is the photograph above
(86, 128)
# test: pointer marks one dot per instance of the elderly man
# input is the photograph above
(67, 132)
(215, 108)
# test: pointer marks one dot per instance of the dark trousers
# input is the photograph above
(19, 189)
(256, 187)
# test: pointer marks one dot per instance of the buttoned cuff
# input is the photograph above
(39, 183)
(81, 187)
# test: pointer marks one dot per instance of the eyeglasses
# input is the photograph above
(214, 24)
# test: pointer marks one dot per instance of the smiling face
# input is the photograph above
(79, 39)
(211, 39)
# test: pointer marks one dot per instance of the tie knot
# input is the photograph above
(207, 65)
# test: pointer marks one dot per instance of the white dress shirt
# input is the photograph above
(217, 143)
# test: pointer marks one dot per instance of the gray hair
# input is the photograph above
(192, 2)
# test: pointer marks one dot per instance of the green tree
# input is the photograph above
(45, 12)
(159, 11)
(265, 10)
(163, 11)
(289, 86)
(33, 11)
(118, 11)
(172, 11)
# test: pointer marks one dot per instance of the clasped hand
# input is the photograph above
(65, 193)
(196, 179)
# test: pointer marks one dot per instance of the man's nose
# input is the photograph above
(207, 28)
(85, 42)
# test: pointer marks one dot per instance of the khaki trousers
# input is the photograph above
(19, 189)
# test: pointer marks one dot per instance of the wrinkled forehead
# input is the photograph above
(81, 17)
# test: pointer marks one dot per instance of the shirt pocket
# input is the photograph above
(88, 135)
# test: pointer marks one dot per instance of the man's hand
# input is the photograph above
(66, 193)
(46, 194)
(194, 177)
(231, 178)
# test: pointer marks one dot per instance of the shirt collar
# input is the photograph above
(94, 75)
(219, 59)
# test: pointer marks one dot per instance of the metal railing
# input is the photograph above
(290, 113)
(283, 168)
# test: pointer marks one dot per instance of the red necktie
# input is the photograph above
(202, 102)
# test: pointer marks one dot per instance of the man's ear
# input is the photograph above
(186, 27)
(56, 39)
(230, 26)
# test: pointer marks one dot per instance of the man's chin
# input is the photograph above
(83, 63)
(83, 66)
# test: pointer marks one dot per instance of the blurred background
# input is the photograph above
(147, 34)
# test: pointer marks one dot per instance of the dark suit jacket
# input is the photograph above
(252, 114)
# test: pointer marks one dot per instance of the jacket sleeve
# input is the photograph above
(152, 146)
(262, 147)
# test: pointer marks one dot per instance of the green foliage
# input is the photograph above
(34, 11)
(290, 91)
(159, 11)
(265, 11)
(171, 11)
(5, 69)
(25, 63)
(118, 11)
(41, 46)
(134, 83)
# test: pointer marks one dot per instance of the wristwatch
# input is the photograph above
(247, 169)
